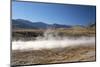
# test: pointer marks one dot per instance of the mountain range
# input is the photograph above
(25, 24)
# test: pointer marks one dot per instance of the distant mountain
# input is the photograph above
(78, 27)
(92, 25)
(25, 24)
(19, 23)
(61, 26)
(41, 25)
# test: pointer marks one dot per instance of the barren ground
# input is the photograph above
(58, 55)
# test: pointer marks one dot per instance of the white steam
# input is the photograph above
(51, 40)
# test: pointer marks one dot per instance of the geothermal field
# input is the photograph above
(52, 33)
(52, 46)
(52, 43)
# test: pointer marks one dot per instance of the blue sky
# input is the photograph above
(54, 13)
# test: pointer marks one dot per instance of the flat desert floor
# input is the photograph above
(45, 56)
